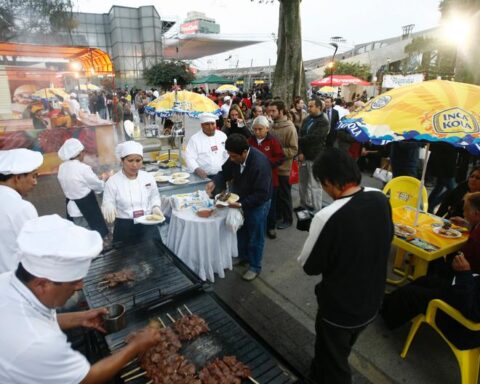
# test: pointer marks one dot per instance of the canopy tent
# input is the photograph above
(339, 80)
(91, 60)
(212, 79)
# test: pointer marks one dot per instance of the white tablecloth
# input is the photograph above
(205, 245)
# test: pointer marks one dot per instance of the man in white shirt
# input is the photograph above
(55, 256)
(73, 105)
(18, 176)
(79, 185)
(227, 101)
(205, 153)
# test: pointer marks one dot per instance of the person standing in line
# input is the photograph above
(311, 142)
(18, 176)
(286, 133)
(353, 272)
(333, 118)
(298, 112)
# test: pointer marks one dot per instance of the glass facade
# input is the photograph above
(131, 36)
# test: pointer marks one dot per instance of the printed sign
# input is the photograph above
(455, 120)
(397, 81)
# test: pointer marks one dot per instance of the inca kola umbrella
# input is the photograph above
(227, 88)
(430, 111)
(182, 102)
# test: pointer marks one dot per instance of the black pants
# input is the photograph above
(272, 214)
(332, 348)
(125, 232)
(284, 200)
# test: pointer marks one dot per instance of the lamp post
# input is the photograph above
(332, 63)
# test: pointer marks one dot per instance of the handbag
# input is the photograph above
(383, 174)
(294, 177)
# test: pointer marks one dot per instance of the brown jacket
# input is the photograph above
(286, 133)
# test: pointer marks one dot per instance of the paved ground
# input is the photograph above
(280, 305)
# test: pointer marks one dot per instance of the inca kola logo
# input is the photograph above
(455, 120)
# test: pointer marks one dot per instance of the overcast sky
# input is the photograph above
(356, 21)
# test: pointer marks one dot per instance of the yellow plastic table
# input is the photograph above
(419, 257)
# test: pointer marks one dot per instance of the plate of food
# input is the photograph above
(151, 219)
(452, 226)
(226, 198)
(162, 178)
(449, 233)
(180, 175)
(178, 181)
(403, 230)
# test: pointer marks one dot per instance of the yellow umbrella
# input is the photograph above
(435, 110)
(184, 102)
(89, 87)
(227, 88)
(50, 93)
(327, 89)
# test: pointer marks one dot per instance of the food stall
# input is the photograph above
(32, 83)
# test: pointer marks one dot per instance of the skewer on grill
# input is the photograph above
(188, 310)
(253, 380)
(161, 322)
(135, 377)
(180, 311)
(171, 318)
(130, 372)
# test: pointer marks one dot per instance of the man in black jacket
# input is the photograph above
(348, 244)
(311, 143)
(333, 118)
(250, 175)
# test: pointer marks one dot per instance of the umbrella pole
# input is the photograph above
(422, 183)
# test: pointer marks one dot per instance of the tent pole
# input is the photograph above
(422, 183)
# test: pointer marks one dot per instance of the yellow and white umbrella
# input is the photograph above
(227, 88)
(89, 87)
(182, 102)
(50, 93)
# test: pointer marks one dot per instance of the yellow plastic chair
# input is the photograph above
(469, 359)
(403, 190)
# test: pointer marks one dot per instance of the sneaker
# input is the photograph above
(284, 225)
(271, 234)
(249, 275)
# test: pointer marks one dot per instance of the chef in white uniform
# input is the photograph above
(18, 176)
(79, 184)
(55, 255)
(205, 153)
(130, 194)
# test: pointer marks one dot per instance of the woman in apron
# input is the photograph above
(79, 184)
(131, 193)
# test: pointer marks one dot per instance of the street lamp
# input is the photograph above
(331, 65)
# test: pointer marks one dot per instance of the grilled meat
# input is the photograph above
(115, 278)
(189, 327)
(224, 371)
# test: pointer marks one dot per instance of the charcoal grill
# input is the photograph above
(159, 276)
(227, 336)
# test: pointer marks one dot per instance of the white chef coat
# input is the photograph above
(206, 152)
(73, 107)
(128, 195)
(341, 111)
(33, 348)
(14, 212)
(77, 180)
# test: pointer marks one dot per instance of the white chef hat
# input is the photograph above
(56, 249)
(71, 148)
(128, 148)
(208, 118)
(73, 94)
(261, 120)
(18, 161)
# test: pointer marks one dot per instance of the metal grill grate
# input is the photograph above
(159, 275)
(226, 337)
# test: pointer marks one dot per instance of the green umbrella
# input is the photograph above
(213, 79)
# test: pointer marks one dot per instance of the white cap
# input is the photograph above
(208, 118)
(261, 120)
(56, 249)
(73, 94)
(18, 161)
(226, 98)
(71, 148)
(129, 148)
(156, 94)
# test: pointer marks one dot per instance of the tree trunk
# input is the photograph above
(289, 76)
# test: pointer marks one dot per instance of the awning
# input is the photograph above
(92, 60)
(212, 79)
(339, 80)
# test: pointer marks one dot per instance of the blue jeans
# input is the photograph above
(251, 236)
(438, 193)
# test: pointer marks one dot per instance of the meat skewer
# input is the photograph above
(135, 377)
(227, 370)
(189, 327)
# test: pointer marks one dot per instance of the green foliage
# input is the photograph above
(163, 73)
(27, 17)
(361, 71)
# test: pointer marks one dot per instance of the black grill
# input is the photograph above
(227, 336)
(159, 275)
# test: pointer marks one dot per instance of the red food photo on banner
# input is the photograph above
(89, 140)
(18, 139)
(50, 140)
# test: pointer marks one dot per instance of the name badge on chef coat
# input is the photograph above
(214, 148)
(138, 213)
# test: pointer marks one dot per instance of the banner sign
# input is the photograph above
(396, 81)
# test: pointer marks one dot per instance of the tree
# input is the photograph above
(29, 17)
(361, 71)
(163, 73)
(289, 75)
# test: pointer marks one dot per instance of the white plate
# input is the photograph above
(178, 181)
(403, 230)
(145, 221)
(232, 199)
(162, 178)
(180, 175)
(452, 233)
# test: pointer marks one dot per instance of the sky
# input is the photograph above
(357, 21)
